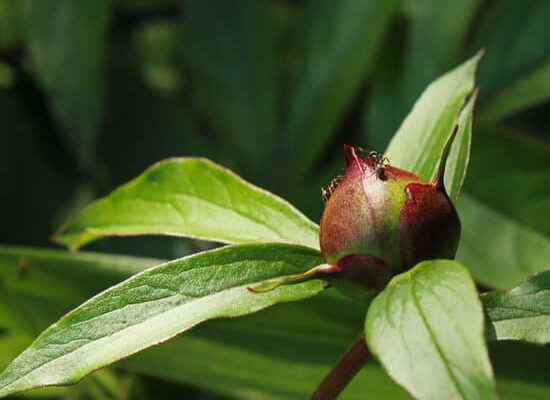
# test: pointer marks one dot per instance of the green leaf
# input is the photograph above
(526, 92)
(416, 53)
(459, 156)
(248, 358)
(62, 276)
(419, 142)
(340, 42)
(46, 177)
(191, 197)
(509, 31)
(426, 328)
(510, 252)
(66, 42)
(154, 306)
(522, 313)
(506, 200)
(135, 110)
(231, 54)
(10, 23)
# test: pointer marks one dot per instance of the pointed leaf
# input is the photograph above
(522, 313)
(511, 252)
(416, 53)
(261, 355)
(426, 328)
(506, 201)
(459, 156)
(518, 34)
(340, 43)
(191, 197)
(154, 306)
(230, 50)
(419, 142)
(526, 92)
(66, 42)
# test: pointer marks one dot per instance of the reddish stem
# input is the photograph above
(349, 365)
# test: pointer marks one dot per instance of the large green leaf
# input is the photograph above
(154, 306)
(340, 42)
(507, 197)
(191, 197)
(258, 357)
(37, 286)
(231, 54)
(419, 142)
(522, 313)
(66, 41)
(426, 328)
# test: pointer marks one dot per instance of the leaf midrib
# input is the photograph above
(432, 336)
(133, 326)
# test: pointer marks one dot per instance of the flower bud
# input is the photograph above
(378, 215)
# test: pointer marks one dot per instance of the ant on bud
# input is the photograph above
(326, 192)
(380, 162)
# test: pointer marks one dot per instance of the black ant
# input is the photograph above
(380, 163)
(326, 192)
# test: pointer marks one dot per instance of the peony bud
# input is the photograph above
(380, 220)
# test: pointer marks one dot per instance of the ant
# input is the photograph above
(380, 162)
(326, 192)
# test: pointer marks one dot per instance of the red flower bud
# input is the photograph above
(376, 214)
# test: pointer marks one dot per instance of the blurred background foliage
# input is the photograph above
(94, 91)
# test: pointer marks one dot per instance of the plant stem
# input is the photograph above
(348, 366)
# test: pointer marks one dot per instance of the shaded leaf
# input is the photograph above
(70, 73)
(427, 42)
(191, 197)
(517, 34)
(510, 251)
(426, 328)
(154, 306)
(525, 92)
(430, 122)
(340, 41)
(10, 24)
(135, 110)
(230, 50)
(44, 174)
(507, 197)
(522, 313)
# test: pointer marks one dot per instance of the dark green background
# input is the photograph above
(94, 91)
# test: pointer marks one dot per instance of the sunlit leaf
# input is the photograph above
(249, 358)
(427, 330)
(419, 142)
(191, 197)
(154, 306)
